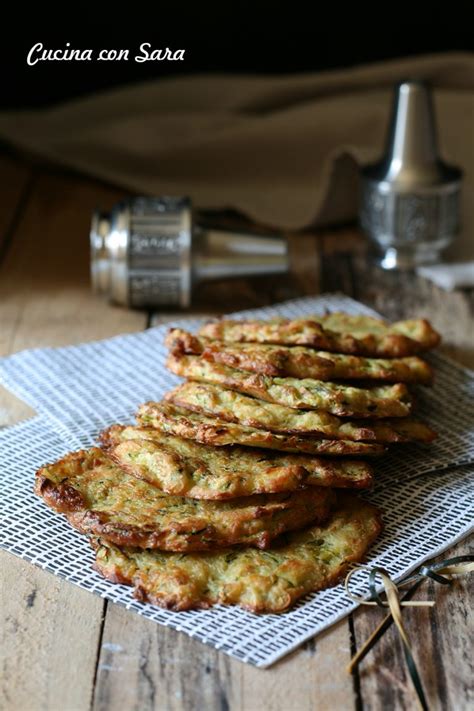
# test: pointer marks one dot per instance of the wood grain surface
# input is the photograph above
(63, 648)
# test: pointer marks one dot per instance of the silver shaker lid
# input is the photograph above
(410, 198)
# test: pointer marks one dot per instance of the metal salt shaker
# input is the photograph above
(149, 252)
(410, 199)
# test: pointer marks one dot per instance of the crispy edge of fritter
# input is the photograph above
(184, 593)
(302, 468)
(218, 433)
(188, 396)
(292, 392)
(299, 361)
(64, 498)
(311, 332)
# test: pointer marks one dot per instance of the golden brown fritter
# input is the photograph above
(185, 468)
(260, 581)
(299, 361)
(100, 499)
(337, 332)
(177, 421)
(342, 400)
(230, 406)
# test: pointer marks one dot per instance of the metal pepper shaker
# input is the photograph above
(410, 199)
(150, 252)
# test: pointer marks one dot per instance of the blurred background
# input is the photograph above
(265, 125)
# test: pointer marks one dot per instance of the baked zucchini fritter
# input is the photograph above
(185, 468)
(230, 406)
(177, 421)
(100, 499)
(260, 581)
(342, 400)
(337, 332)
(299, 361)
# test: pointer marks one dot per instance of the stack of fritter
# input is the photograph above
(230, 489)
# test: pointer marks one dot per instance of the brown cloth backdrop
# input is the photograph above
(282, 150)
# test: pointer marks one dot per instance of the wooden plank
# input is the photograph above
(441, 646)
(303, 253)
(51, 629)
(312, 679)
(15, 179)
(143, 665)
(46, 272)
(50, 632)
(382, 678)
(45, 298)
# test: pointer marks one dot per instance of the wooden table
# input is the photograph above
(64, 648)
